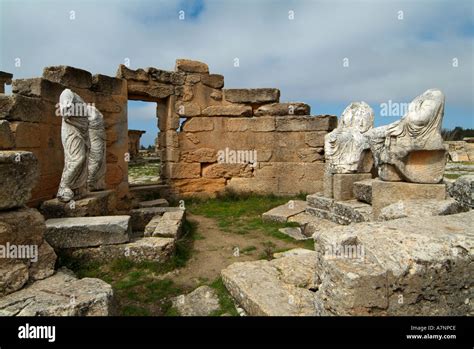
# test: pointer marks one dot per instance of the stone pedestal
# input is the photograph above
(100, 203)
(387, 193)
(342, 184)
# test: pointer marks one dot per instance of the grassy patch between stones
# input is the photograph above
(243, 214)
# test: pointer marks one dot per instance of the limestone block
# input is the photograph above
(314, 139)
(227, 110)
(420, 208)
(213, 80)
(169, 225)
(169, 139)
(167, 77)
(387, 193)
(203, 301)
(68, 76)
(224, 170)
(343, 184)
(13, 275)
(189, 66)
(306, 123)
(52, 297)
(202, 187)
(38, 87)
(253, 96)
(264, 185)
(184, 170)
(140, 217)
(108, 85)
(22, 108)
(366, 271)
(363, 190)
(18, 176)
(282, 109)
(192, 79)
(7, 141)
(128, 74)
(463, 190)
(44, 267)
(273, 288)
(26, 134)
(149, 90)
(100, 203)
(261, 124)
(198, 125)
(208, 155)
(155, 249)
(310, 154)
(283, 212)
(154, 203)
(87, 231)
(170, 154)
(187, 109)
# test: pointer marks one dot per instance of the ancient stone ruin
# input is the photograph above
(384, 221)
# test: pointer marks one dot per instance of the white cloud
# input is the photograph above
(389, 58)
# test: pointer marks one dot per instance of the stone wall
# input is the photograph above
(29, 121)
(461, 150)
(203, 127)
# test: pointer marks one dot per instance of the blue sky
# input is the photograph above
(390, 57)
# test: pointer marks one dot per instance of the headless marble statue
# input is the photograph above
(83, 139)
(412, 149)
(347, 147)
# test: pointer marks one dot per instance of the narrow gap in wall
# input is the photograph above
(144, 149)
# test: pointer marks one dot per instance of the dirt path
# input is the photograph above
(215, 250)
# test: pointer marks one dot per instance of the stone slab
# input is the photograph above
(155, 249)
(101, 203)
(76, 232)
(421, 208)
(294, 232)
(154, 203)
(60, 295)
(280, 287)
(142, 216)
(387, 193)
(418, 266)
(203, 301)
(343, 184)
(283, 212)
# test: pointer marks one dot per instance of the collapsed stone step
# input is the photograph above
(155, 249)
(294, 232)
(340, 212)
(203, 301)
(60, 295)
(140, 217)
(143, 192)
(283, 212)
(280, 287)
(408, 266)
(154, 203)
(167, 225)
(76, 232)
(310, 224)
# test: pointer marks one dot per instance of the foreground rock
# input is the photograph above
(87, 231)
(420, 208)
(203, 301)
(463, 190)
(280, 287)
(410, 266)
(60, 295)
(138, 250)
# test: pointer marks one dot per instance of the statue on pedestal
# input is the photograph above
(347, 148)
(412, 149)
(83, 139)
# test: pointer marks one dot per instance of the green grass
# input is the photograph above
(225, 300)
(453, 175)
(146, 169)
(243, 214)
(138, 287)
